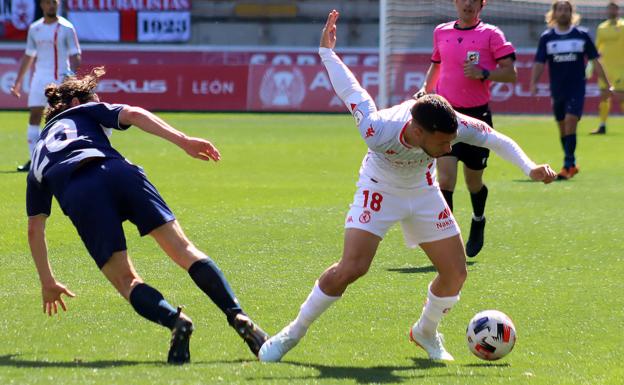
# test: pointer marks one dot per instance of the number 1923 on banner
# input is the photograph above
(163, 26)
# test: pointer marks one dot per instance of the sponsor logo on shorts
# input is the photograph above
(365, 217)
(370, 132)
(445, 219)
(391, 152)
(349, 219)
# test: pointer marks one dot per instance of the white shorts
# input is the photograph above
(423, 213)
(36, 95)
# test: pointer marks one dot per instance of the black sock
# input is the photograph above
(569, 148)
(149, 303)
(448, 197)
(478, 201)
(211, 281)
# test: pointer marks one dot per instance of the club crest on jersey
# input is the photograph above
(370, 132)
(472, 57)
(365, 217)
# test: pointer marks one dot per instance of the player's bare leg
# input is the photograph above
(567, 132)
(447, 255)
(150, 303)
(359, 249)
(32, 134)
(478, 196)
(209, 278)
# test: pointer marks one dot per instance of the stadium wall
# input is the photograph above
(252, 79)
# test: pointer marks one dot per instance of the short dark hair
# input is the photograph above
(434, 113)
(60, 95)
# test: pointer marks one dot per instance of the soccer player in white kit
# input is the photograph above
(397, 184)
(53, 42)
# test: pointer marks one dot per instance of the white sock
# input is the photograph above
(33, 135)
(433, 311)
(316, 303)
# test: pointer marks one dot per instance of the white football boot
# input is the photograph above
(432, 345)
(277, 346)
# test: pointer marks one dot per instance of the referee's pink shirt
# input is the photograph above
(451, 47)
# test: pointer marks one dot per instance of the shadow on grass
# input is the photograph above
(421, 269)
(368, 375)
(487, 365)
(15, 361)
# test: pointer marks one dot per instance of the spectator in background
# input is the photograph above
(610, 44)
(468, 55)
(566, 47)
(52, 40)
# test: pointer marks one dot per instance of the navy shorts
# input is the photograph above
(570, 104)
(474, 157)
(101, 195)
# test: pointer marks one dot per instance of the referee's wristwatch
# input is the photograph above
(486, 74)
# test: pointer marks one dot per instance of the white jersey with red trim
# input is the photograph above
(52, 45)
(392, 162)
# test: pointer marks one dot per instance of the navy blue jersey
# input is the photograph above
(566, 54)
(70, 137)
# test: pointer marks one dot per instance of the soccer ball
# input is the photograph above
(491, 335)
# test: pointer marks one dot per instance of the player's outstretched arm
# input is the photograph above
(342, 79)
(51, 289)
(478, 133)
(196, 147)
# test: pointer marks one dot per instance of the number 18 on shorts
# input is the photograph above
(423, 214)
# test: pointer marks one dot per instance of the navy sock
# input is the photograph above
(211, 281)
(448, 196)
(569, 147)
(149, 303)
(478, 201)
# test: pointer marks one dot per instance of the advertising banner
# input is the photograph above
(264, 81)
(131, 21)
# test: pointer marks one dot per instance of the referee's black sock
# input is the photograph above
(448, 197)
(478, 201)
(569, 148)
(209, 278)
(151, 304)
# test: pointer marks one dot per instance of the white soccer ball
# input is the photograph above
(491, 335)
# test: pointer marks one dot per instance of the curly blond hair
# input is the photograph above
(550, 20)
(60, 96)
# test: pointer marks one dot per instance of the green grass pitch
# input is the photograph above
(271, 215)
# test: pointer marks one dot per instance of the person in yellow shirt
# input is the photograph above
(610, 44)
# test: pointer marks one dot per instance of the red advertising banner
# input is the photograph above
(263, 81)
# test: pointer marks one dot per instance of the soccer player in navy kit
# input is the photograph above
(98, 189)
(565, 47)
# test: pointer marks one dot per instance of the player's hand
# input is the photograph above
(328, 36)
(52, 295)
(472, 71)
(543, 173)
(201, 149)
(15, 90)
(533, 89)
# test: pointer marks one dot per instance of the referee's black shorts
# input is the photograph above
(474, 157)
